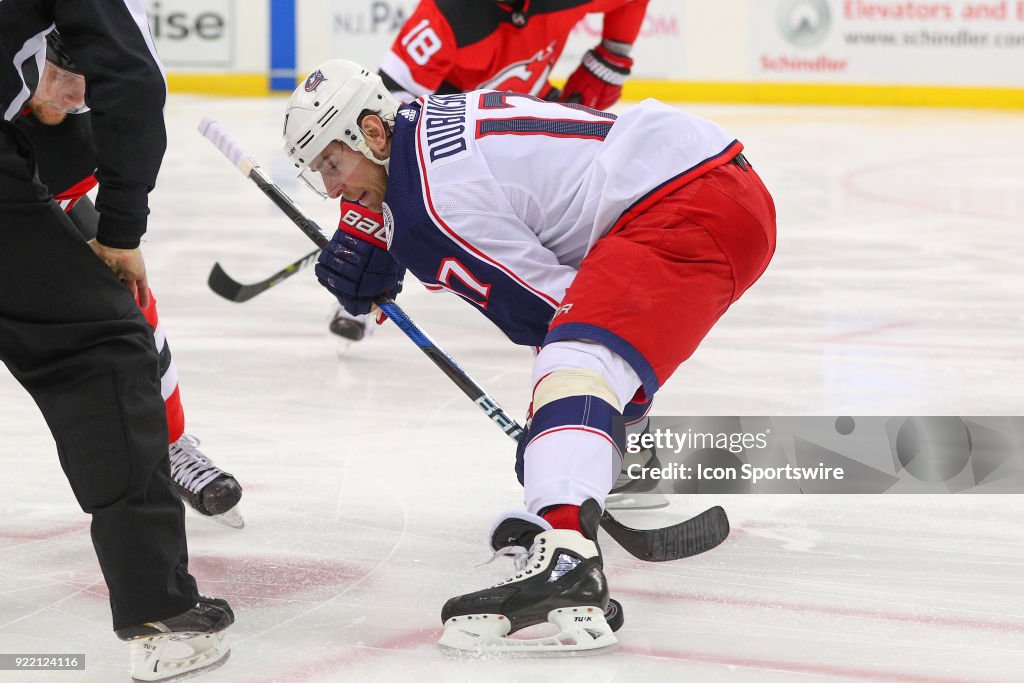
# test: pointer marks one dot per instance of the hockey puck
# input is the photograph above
(613, 615)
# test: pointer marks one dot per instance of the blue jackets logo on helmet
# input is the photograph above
(314, 81)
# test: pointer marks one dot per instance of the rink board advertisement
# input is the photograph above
(888, 42)
(363, 30)
(193, 33)
(843, 454)
(853, 51)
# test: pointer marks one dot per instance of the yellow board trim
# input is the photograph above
(224, 84)
(815, 93)
(680, 91)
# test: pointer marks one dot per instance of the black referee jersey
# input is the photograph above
(109, 41)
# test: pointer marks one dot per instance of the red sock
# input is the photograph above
(563, 517)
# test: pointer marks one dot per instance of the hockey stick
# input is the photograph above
(233, 290)
(696, 535)
(222, 140)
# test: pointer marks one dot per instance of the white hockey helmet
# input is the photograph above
(326, 108)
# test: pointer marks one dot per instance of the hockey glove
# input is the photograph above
(597, 82)
(356, 267)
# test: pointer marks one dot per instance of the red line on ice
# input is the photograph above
(927, 619)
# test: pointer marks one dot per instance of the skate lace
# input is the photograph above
(526, 561)
(189, 467)
(520, 556)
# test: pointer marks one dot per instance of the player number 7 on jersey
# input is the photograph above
(451, 268)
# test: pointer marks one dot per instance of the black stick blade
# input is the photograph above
(232, 290)
(223, 285)
(686, 539)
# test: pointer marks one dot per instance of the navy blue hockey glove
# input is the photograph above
(356, 267)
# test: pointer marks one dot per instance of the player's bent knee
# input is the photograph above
(583, 368)
(573, 382)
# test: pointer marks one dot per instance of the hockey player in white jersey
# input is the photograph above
(613, 243)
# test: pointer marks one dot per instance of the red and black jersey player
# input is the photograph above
(449, 46)
(59, 127)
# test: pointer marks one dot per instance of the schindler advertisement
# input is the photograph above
(193, 33)
(889, 42)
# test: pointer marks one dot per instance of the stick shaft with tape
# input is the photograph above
(215, 133)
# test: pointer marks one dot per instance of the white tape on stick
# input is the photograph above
(228, 146)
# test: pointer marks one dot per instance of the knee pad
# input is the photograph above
(573, 382)
(569, 375)
(585, 367)
(570, 398)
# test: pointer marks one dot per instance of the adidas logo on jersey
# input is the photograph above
(409, 114)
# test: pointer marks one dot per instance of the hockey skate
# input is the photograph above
(181, 646)
(559, 580)
(348, 329)
(209, 490)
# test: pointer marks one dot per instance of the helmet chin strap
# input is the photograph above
(386, 163)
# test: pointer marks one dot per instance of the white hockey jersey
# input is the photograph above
(499, 196)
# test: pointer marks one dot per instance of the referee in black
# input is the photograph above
(70, 330)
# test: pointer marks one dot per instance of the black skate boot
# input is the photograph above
(209, 490)
(513, 535)
(559, 579)
(181, 646)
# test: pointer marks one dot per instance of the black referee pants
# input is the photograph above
(73, 336)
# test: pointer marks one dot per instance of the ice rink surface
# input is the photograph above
(370, 480)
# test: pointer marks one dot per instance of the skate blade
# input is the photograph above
(582, 631)
(162, 658)
(232, 518)
(635, 501)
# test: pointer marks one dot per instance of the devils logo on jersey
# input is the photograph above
(314, 81)
(529, 75)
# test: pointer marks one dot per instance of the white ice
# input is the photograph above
(370, 480)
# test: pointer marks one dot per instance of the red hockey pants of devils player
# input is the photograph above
(168, 373)
(652, 288)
